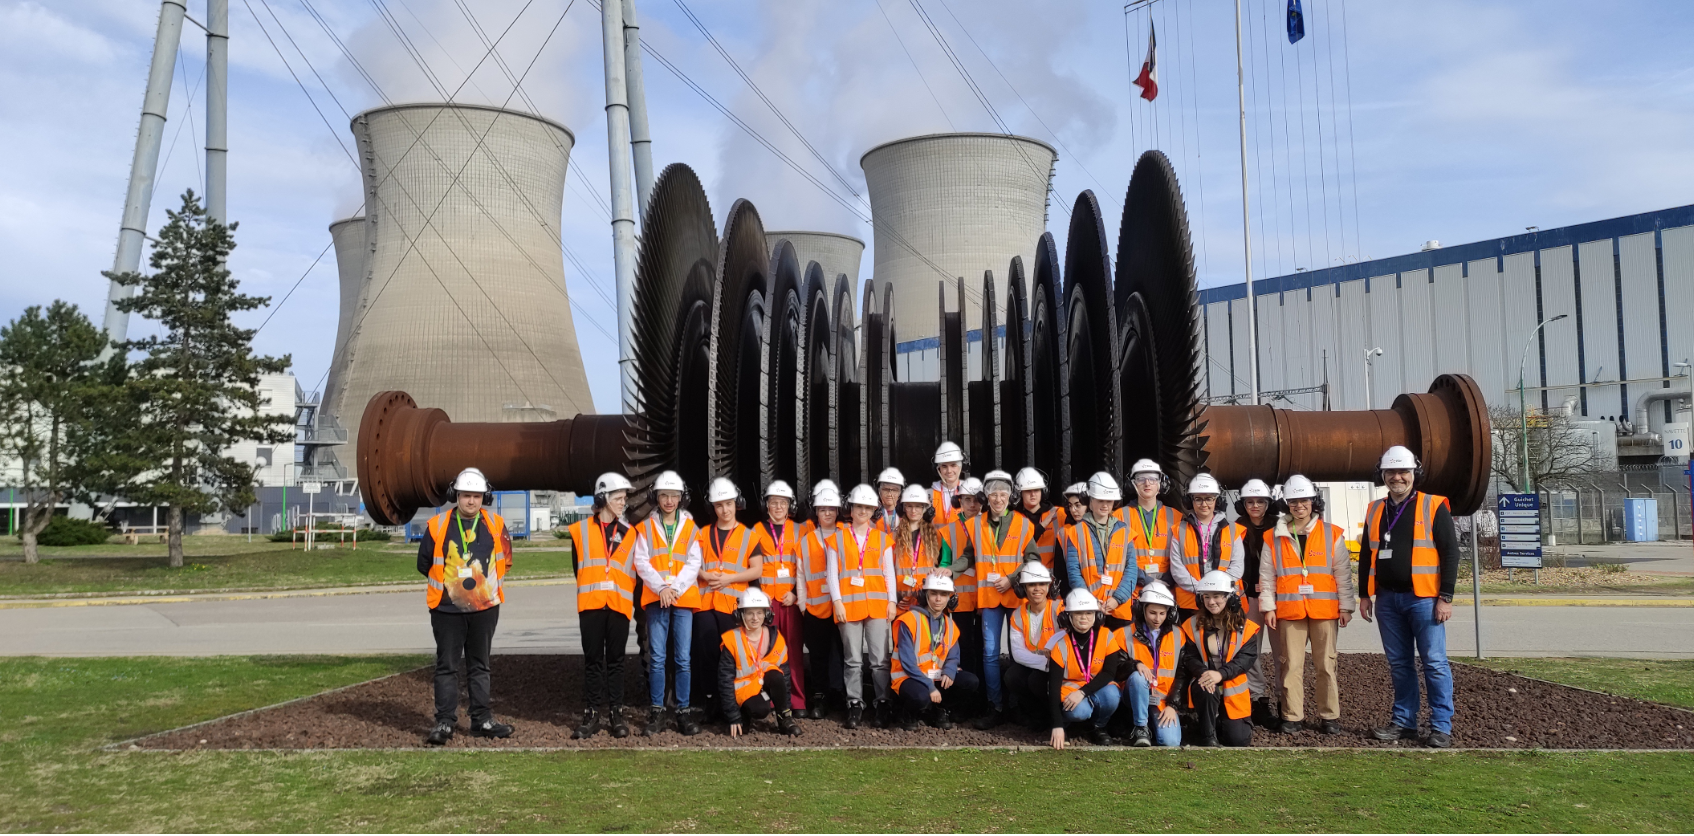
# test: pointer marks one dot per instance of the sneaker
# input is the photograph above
(688, 721)
(1392, 732)
(620, 728)
(655, 721)
(1100, 737)
(1140, 738)
(989, 719)
(855, 713)
(439, 735)
(491, 728)
(1291, 727)
(1329, 727)
(1438, 740)
(589, 726)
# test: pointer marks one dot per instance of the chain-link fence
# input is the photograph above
(1589, 511)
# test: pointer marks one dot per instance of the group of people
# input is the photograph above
(900, 605)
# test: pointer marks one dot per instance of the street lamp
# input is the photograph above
(1523, 412)
(1370, 353)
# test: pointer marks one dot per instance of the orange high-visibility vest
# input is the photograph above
(1224, 536)
(736, 548)
(782, 563)
(911, 569)
(484, 591)
(814, 567)
(870, 600)
(1040, 633)
(1426, 563)
(1237, 702)
(944, 510)
(668, 558)
(1002, 559)
(932, 653)
(1150, 546)
(1101, 573)
(1294, 569)
(750, 667)
(964, 585)
(1045, 545)
(1063, 653)
(1163, 663)
(602, 581)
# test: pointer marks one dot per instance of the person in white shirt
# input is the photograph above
(861, 590)
(666, 556)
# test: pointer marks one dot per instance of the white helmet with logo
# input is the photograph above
(670, 481)
(609, 483)
(1299, 487)
(1034, 572)
(938, 582)
(1398, 458)
(1102, 486)
(971, 486)
(1157, 593)
(914, 495)
(1216, 580)
(1078, 489)
(780, 488)
(755, 598)
(1145, 466)
(1081, 600)
(1255, 489)
(1030, 479)
(826, 495)
(863, 495)
(471, 480)
(948, 452)
(1203, 483)
(997, 476)
(722, 490)
(890, 476)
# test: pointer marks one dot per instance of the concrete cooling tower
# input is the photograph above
(837, 254)
(352, 240)
(465, 304)
(951, 205)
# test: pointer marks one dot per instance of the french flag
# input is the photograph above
(1148, 81)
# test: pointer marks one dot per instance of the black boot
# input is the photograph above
(589, 726)
(491, 728)
(1263, 715)
(439, 735)
(688, 721)
(620, 728)
(908, 718)
(817, 706)
(785, 723)
(942, 720)
(855, 714)
(989, 719)
(655, 721)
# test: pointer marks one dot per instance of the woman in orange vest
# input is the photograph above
(1099, 556)
(666, 557)
(1217, 650)
(1035, 632)
(1203, 541)
(1082, 679)
(465, 552)
(969, 500)
(1254, 515)
(779, 543)
(605, 600)
(861, 585)
(925, 668)
(998, 542)
(729, 560)
(950, 472)
(1155, 645)
(1306, 591)
(822, 637)
(918, 547)
(1047, 517)
(1151, 522)
(753, 668)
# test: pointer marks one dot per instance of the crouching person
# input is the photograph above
(754, 667)
(1035, 632)
(1155, 645)
(926, 676)
(1083, 677)
(1219, 648)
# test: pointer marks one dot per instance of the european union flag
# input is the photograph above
(1296, 22)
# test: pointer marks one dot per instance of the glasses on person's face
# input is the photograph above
(1146, 479)
(1204, 500)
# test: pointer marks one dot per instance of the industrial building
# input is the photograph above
(837, 254)
(352, 240)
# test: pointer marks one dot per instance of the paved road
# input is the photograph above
(542, 619)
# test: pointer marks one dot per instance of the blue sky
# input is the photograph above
(1390, 125)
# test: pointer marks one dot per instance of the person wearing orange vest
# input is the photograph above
(779, 543)
(666, 557)
(1254, 516)
(1306, 590)
(918, 547)
(1048, 518)
(1099, 556)
(925, 667)
(1155, 646)
(1035, 632)
(1076, 507)
(950, 468)
(969, 501)
(753, 671)
(861, 591)
(605, 600)
(998, 542)
(1409, 562)
(890, 483)
(1083, 672)
(821, 636)
(729, 560)
(1076, 503)
(1151, 522)
(465, 552)
(1217, 650)
(1203, 541)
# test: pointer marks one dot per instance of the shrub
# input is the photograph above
(64, 531)
(371, 535)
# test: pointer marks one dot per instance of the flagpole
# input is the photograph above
(1246, 228)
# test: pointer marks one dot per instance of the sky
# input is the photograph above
(1391, 124)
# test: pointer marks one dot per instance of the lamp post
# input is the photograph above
(1523, 412)
(1370, 353)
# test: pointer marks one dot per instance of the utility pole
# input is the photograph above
(1246, 227)
(1369, 354)
(640, 139)
(1523, 413)
(623, 210)
(217, 109)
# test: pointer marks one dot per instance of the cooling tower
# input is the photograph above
(352, 240)
(837, 254)
(952, 205)
(465, 305)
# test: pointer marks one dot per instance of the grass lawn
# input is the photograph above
(57, 711)
(1670, 681)
(218, 563)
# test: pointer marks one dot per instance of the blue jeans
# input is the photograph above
(993, 624)
(1099, 708)
(1140, 701)
(668, 628)
(1408, 622)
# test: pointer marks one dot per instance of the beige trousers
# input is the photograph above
(1290, 637)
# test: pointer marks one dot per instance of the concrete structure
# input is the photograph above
(353, 242)
(465, 304)
(951, 205)
(837, 254)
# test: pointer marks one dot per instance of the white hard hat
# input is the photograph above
(1102, 486)
(1255, 488)
(1081, 600)
(1034, 572)
(1216, 580)
(1030, 479)
(863, 495)
(938, 582)
(997, 476)
(755, 598)
(722, 489)
(948, 452)
(823, 485)
(890, 476)
(826, 495)
(1398, 458)
(609, 482)
(914, 495)
(1203, 483)
(1146, 466)
(1078, 489)
(1298, 487)
(780, 488)
(971, 486)
(669, 481)
(470, 479)
(1157, 593)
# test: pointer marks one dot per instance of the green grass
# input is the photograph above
(1670, 681)
(57, 712)
(272, 566)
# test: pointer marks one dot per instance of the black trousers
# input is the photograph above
(709, 627)
(757, 707)
(823, 655)
(964, 694)
(1209, 712)
(605, 632)
(470, 637)
(970, 642)
(641, 643)
(1025, 692)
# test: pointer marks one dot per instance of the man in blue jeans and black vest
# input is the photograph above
(1408, 561)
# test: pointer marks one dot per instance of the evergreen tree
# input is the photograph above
(199, 381)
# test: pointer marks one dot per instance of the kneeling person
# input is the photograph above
(926, 675)
(754, 667)
(1082, 681)
(1218, 649)
(1155, 642)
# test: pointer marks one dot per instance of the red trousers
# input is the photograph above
(786, 619)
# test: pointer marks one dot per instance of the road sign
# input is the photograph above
(1520, 530)
(311, 487)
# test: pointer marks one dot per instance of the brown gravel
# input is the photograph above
(540, 696)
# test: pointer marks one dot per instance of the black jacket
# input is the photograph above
(726, 677)
(1253, 540)
(1110, 671)
(1191, 664)
(1395, 574)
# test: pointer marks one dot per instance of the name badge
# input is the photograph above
(1152, 568)
(668, 579)
(464, 571)
(782, 571)
(993, 577)
(933, 673)
(910, 580)
(1106, 580)
(1307, 589)
(858, 581)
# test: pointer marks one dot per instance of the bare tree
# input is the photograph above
(1559, 452)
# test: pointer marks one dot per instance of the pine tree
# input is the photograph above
(199, 381)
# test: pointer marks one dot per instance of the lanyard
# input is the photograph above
(1399, 511)
(779, 533)
(1205, 544)
(1305, 561)
(465, 542)
(1149, 523)
(935, 639)
(1084, 663)
(720, 536)
(860, 542)
(917, 548)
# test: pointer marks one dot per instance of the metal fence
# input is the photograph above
(1590, 510)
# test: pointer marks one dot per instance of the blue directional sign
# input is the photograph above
(1520, 530)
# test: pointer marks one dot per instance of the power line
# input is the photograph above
(1352, 156)
(902, 41)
